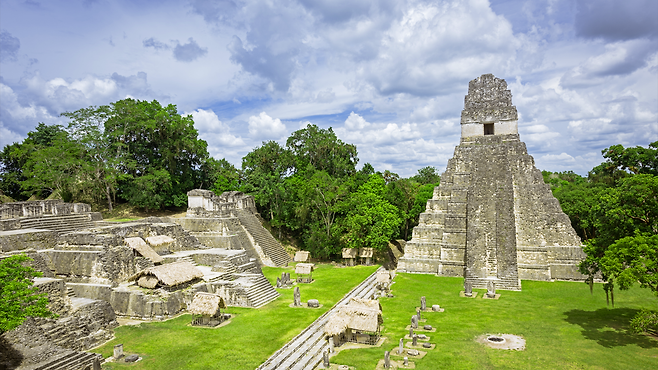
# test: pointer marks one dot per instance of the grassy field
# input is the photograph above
(251, 337)
(564, 327)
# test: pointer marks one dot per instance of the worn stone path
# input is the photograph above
(304, 352)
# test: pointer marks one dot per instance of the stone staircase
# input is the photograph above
(304, 352)
(73, 361)
(510, 282)
(261, 292)
(187, 259)
(61, 224)
(270, 247)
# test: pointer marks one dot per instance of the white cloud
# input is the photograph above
(355, 122)
(265, 127)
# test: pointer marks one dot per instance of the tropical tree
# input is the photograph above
(265, 170)
(371, 220)
(20, 298)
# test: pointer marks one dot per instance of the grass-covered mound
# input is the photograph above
(251, 337)
(565, 327)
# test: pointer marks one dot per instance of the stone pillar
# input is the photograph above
(491, 289)
(406, 361)
(418, 314)
(468, 289)
(278, 282)
(401, 348)
(297, 297)
(414, 340)
(387, 360)
(118, 351)
(423, 303)
(414, 322)
(411, 331)
(331, 344)
(325, 359)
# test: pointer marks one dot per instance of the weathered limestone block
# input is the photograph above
(63, 262)
(13, 240)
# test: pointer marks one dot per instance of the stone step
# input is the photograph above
(72, 361)
(271, 248)
(261, 293)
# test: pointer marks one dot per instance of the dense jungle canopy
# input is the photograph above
(309, 190)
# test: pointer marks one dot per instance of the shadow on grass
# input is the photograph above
(609, 327)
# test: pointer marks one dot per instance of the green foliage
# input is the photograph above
(54, 168)
(265, 170)
(427, 175)
(645, 321)
(19, 297)
(632, 259)
(222, 175)
(371, 220)
(14, 158)
(322, 150)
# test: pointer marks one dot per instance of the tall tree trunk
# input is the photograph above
(607, 297)
(612, 296)
(591, 285)
(109, 197)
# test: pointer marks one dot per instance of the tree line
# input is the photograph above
(149, 156)
(615, 212)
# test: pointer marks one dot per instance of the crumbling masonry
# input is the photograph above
(493, 218)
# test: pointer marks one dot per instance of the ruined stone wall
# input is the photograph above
(205, 203)
(14, 240)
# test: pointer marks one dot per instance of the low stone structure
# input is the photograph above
(304, 272)
(208, 309)
(358, 321)
(493, 218)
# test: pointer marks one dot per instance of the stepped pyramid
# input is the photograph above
(492, 218)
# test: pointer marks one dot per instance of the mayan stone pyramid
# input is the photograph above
(493, 218)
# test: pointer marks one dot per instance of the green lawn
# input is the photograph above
(251, 337)
(564, 326)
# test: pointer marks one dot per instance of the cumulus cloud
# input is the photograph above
(189, 52)
(59, 95)
(355, 122)
(9, 46)
(215, 132)
(616, 20)
(265, 127)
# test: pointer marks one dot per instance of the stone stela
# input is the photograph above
(492, 218)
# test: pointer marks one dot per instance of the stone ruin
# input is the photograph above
(95, 270)
(492, 218)
(231, 221)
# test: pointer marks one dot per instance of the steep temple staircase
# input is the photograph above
(270, 247)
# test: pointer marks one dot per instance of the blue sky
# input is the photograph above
(389, 76)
